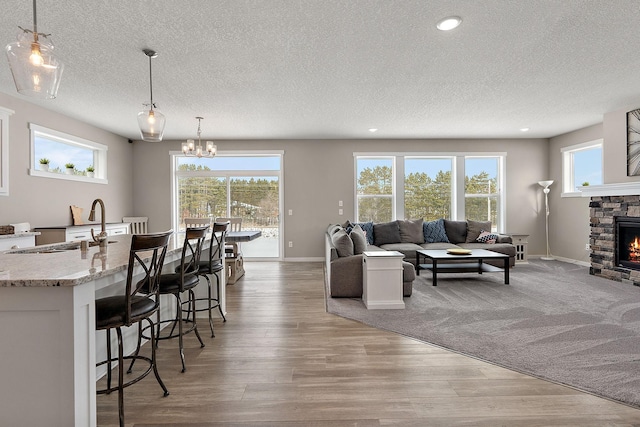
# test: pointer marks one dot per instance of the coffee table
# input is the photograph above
(440, 263)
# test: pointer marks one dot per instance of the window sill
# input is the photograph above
(55, 175)
(572, 194)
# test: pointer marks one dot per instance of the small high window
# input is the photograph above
(62, 156)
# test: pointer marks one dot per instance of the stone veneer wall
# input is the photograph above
(603, 210)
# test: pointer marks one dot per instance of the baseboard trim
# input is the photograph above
(304, 259)
(563, 259)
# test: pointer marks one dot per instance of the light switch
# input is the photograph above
(290, 211)
(340, 212)
(339, 202)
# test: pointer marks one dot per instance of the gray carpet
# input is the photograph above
(554, 321)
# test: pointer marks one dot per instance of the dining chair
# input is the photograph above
(138, 224)
(235, 224)
(147, 255)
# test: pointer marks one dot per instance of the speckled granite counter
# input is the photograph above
(47, 329)
(70, 267)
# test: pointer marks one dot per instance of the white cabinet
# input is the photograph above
(520, 241)
(22, 240)
(382, 279)
(72, 233)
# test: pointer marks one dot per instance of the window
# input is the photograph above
(232, 185)
(88, 159)
(482, 189)
(374, 189)
(581, 166)
(427, 187)
(454, 186)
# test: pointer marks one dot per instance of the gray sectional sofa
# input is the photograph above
(345, 243)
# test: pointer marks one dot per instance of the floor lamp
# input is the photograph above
(545, 185)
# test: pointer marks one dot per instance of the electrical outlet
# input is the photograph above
(587, 247)
(339, 202)
(290, 244)
(290, 211)
(340, 212)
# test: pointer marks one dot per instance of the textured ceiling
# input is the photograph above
(333, 69)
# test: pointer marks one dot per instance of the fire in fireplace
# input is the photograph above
(627, 236)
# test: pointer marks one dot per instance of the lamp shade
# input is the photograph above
(545, 184)
(151, 123)
(36, 70)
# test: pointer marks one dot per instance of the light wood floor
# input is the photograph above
(281, 360)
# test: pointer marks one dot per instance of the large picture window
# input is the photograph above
(454, 186)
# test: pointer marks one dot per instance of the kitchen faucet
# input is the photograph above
(102, 237)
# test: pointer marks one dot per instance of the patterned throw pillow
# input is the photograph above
(434, 231)
(487, 237)
(367, 227)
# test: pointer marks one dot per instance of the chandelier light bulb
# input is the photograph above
(189, 148)
(36, 55)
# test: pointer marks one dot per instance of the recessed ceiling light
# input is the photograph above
(449, 23)
(524, 129)
(372, 130)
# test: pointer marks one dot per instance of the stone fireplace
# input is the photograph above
(615, 238)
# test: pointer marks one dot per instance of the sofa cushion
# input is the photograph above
(386, 232)
(359, 240)
(433, 231)
(411, 231)
(342, 242)
(501, 248)
(407, 249)
(474, 228)
(456, 231)
(438, 245)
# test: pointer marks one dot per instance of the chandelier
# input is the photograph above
(190, 148)
(36, 70)
(150, 121)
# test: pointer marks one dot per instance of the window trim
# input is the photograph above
(394, 182)
(5, 113)
(100, 155)
(568, 167)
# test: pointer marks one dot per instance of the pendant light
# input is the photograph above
(36, 70)
(189, 148)
(150, 120)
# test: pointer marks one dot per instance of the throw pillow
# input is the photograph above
(456, 231)
(386, 232)
(411, 231)
(474, 228)
(359, 240)
(343, 243)
(434, 231)
(487, 237)
(367, 227)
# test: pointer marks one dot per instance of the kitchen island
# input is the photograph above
(47, 328)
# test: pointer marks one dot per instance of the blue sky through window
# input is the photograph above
(587, 167)
(60, 154)
(236, 163)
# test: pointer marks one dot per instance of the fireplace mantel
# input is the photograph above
(618, 189)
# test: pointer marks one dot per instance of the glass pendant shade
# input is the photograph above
(151, 123)
(36, 70)
(150, 120)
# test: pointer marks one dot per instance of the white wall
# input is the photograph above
(46, 202)
(319, 173)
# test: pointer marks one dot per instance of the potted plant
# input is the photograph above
(70, 168)
(90, 171)
(44, 164)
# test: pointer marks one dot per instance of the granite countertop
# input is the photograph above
(24, 234)
(52, 265)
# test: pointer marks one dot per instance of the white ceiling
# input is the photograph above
(271, 69)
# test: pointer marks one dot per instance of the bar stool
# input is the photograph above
(185, 279)
(214, 266)
(117, 311)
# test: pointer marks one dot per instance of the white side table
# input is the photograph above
(520, 242)
(382, 279)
